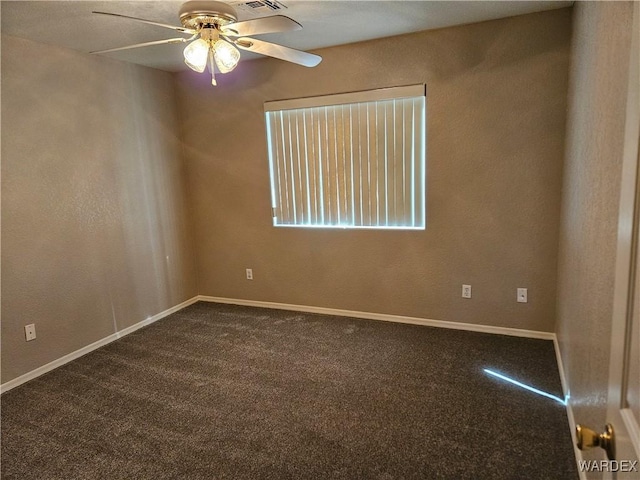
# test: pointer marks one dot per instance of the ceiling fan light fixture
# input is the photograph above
(212, 21)
(227, 56)
(196, 55)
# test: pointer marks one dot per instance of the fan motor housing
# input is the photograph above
(196, 14)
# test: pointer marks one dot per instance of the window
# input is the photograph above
(354, 160)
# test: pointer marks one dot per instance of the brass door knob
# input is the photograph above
(587, 439)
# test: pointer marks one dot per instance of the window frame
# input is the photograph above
(418, 221)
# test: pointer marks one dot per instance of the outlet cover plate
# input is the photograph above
(522, 295)
(30, 332)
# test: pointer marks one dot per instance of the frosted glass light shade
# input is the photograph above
(195, 55)
(227, 56)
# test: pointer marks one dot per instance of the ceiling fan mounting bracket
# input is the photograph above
(198, 14)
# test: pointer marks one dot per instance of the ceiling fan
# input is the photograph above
(215, 34)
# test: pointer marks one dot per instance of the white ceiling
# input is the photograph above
(326, 23)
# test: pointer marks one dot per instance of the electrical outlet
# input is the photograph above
(249, 274)
(30, 332)
(466, 291)
(522, 295)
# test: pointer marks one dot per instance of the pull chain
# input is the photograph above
(212, 68)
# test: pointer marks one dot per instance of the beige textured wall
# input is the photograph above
(591, 189)
(496, 101)
(94, 229)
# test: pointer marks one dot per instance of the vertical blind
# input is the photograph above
(352, 160)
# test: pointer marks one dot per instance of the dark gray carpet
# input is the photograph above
(228, 392)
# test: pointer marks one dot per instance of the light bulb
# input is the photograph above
(195, 55)
(227, 56)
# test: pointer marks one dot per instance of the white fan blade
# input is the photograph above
(172, 27)
(276, 23)
(145, 44)
(279, 51)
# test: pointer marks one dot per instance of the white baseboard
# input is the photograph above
(567, 395)
(578, 454)
(285, 306)
(310, 309)
(514, 332)
(5, 387)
